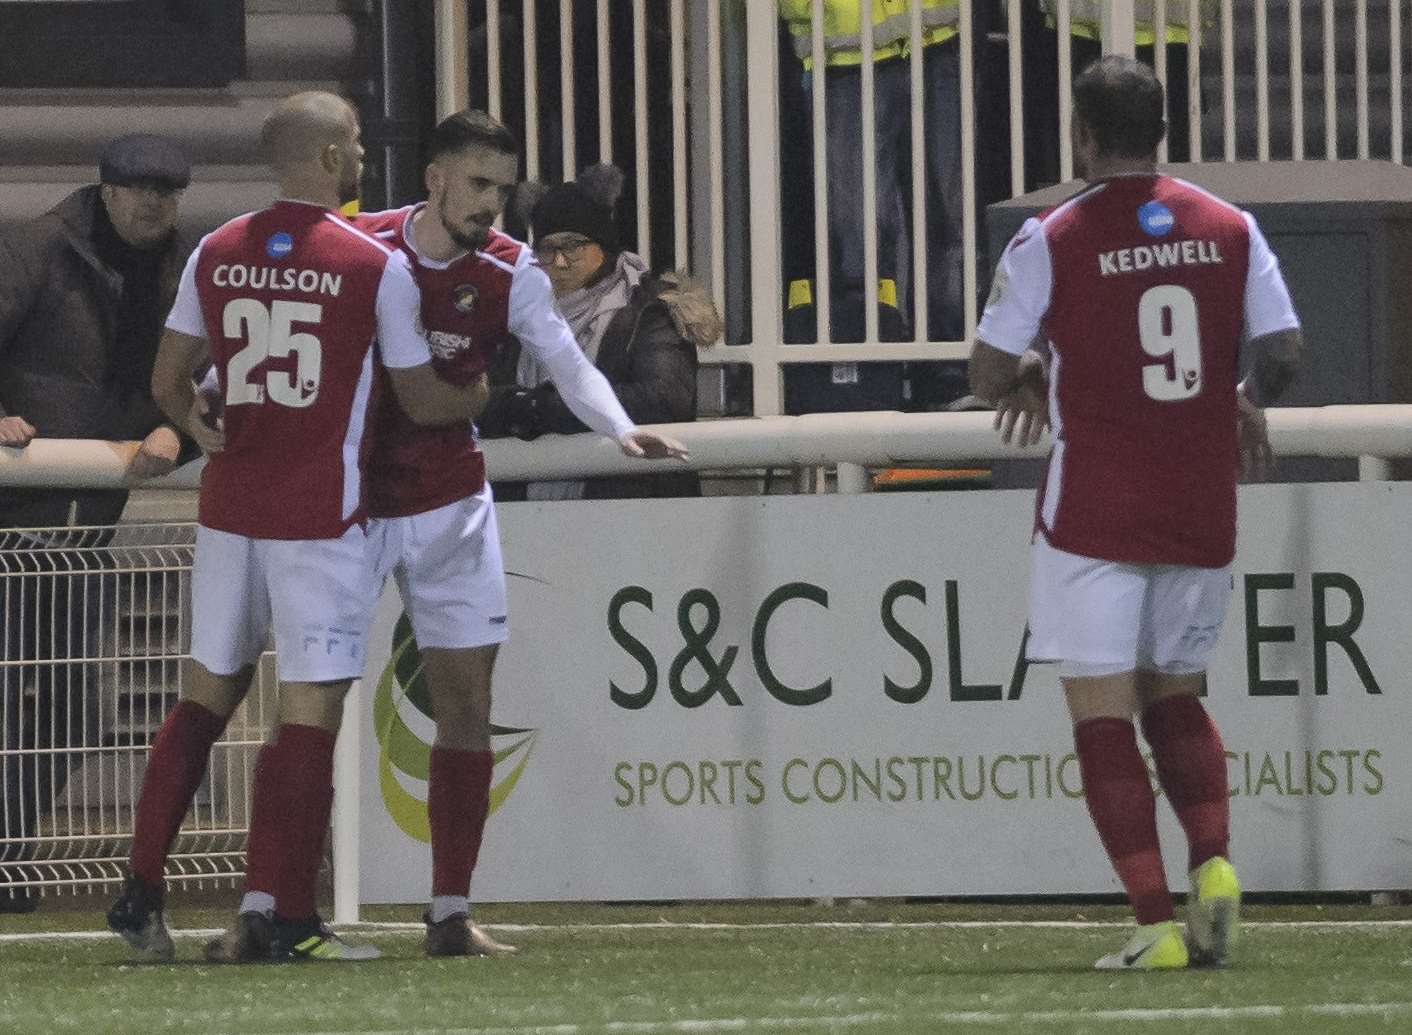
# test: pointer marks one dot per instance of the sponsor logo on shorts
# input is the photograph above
(333, 643)
(498, 619)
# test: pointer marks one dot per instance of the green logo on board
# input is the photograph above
(401, 749)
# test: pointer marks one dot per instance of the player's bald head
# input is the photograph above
(302, 125)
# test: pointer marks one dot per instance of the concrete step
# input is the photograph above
(54, 128)
(301, 42)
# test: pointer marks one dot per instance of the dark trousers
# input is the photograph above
(53, 598)
(941, 168)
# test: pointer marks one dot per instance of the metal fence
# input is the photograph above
(95, 653)
(705, 106)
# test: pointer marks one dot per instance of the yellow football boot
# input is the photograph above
(1152, 947)
(1212, 912)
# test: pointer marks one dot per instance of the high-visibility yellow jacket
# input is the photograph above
(892, 27)
(1087, 17)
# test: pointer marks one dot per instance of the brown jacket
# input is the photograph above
(58, 310)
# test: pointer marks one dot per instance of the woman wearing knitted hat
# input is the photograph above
(641, 330)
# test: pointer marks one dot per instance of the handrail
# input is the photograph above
(878, 439)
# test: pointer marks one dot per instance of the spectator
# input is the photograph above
(641, 330)
(892, 105)
(83, 291)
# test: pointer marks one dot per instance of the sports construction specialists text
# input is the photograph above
(920, 779)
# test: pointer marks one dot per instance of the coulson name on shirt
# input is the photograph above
(274, 278)
(1144, 257)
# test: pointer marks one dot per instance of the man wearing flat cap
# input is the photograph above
(84, 290)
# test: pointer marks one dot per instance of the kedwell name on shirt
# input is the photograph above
(1161, 256)
(272, 278)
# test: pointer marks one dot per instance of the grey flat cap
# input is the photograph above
(144, 158)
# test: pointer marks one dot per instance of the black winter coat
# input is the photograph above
(58, 311)
(649, 356)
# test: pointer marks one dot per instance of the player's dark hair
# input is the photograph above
(1122, 103)
(470, 128)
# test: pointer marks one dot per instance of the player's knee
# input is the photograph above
(218, 694)
(312, 704)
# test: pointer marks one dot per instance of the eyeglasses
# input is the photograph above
(570, 250)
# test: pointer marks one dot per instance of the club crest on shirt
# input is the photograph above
(464, 297)
(445, 345)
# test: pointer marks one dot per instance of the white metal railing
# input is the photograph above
(725, 133)
(95, 642)
(879, 439)
(124, 593)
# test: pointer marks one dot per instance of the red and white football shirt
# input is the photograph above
(291, 299)
(1145, 287)
(469, 306)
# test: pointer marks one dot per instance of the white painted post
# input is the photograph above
(1228, 119)
(767, 315)
(452, 58)
(347, 800)
(1374, 469)
(854, 479)
(1119, 28)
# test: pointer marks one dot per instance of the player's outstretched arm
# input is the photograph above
(430, 401)
(178, 355)
(649, 445)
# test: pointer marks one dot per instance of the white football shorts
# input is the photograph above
(317, 594)
(449, 572)
(1100, 617)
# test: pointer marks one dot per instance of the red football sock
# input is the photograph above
(1124, 810)
(1191, 765)
(458, 801)
(306, 769)
(174, 770)
(267, 809)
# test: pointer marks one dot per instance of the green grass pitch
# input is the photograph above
(871, 968)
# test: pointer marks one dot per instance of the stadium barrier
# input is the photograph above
(124, 660)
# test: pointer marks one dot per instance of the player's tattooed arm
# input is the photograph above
(1018, 388)
(1275, 363)
(1257, 458)
(177, 356)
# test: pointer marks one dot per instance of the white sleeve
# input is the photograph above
(1019, 294)
(1267, 303)
(535, 320)
(401, 340)
(185, 317)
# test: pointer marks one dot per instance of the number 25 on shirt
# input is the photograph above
(269, 333)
